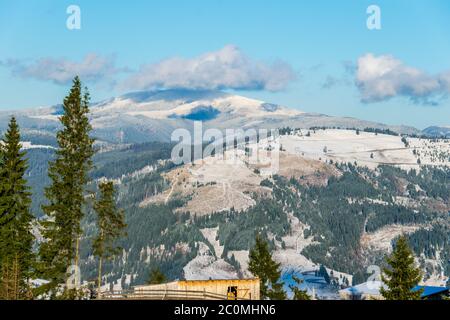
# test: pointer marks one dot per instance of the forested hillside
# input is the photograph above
(358, 202)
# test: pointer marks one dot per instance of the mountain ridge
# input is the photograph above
(144, 116)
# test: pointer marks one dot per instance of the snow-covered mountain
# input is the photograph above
(435, 131)
(153, 115)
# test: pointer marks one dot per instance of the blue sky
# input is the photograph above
(318, 52)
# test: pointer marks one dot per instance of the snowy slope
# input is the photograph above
(151, 116)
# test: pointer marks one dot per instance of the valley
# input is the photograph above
(342, 191)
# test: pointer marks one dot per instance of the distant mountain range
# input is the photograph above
(437, 132)
(153, 115)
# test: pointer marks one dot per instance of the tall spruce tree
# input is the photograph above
(16, 239)
(267, 270)
(66, 194)
(402, 275)
(110, 225)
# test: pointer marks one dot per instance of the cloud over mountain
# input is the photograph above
(92, 68)
(380, 78)
(227, 68)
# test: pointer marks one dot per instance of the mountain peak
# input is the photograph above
(184, 104)
(172, 95)
(437, 131)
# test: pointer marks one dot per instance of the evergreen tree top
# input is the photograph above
(11, 141)
(402, 275)
(267, 270)
(16, 239)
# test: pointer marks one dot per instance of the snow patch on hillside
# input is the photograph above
(211, 235)
(26, 145)
(366, 149)
(290, 257)
(382, 238)
(206, 266)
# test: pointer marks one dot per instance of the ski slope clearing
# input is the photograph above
(367, 149)
(214, 185)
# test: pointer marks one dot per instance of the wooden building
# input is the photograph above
(235, 289)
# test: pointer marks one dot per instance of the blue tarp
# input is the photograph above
(430, 291)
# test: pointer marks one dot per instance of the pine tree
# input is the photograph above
(298, 293)
(110, 225)
(157, 277)
(16, 239)
(268, 271)
(402, 276)
(66, 194)
(324, 273)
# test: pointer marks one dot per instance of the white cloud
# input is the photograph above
(227, 68)
(92, 68)
(445, 80)
(383, 77)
